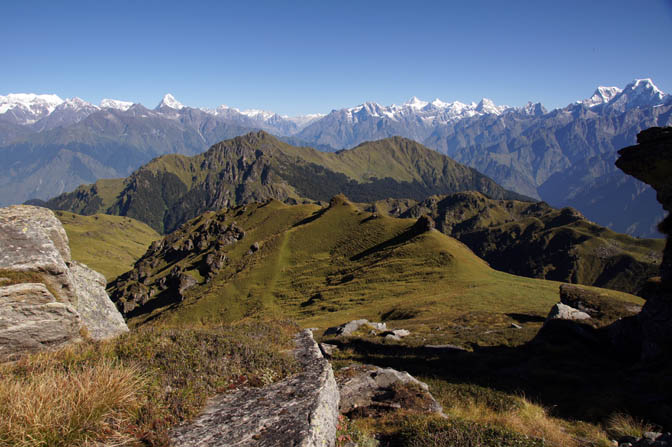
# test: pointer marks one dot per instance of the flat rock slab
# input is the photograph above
(299, 411)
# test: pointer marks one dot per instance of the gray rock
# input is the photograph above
(31, 319)
(58, 297)
(33, 240)
(299, 411)
(352, 326)
(398, 333)
(98, 313)
(392, 337)
(564, 312)
(368, 389)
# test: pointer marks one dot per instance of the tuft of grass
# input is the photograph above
(55, 406)
(488, 407)
(436, 432)
(620, 425)
(134, 388)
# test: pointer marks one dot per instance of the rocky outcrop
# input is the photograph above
(368, 390)
(299, 411)
(651, 162)
(160, 275)
(46, 299)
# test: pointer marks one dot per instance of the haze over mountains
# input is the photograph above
(565, 156)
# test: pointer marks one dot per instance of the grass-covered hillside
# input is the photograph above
(174, 188)
(107, 244)
(326, 265)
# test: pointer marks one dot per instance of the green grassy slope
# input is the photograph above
(107, 244)
(172, 189)
(325, 266)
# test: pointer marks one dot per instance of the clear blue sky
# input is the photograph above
(314, 56)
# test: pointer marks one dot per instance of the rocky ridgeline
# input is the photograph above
(46, 299)
(160, 274)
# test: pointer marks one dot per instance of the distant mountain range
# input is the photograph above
(565, 156)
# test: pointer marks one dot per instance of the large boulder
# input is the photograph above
(46, 299)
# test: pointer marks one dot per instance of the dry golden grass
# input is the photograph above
(620, 425)
(48, 405)
(526, 418)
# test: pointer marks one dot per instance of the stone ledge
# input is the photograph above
(301, 410)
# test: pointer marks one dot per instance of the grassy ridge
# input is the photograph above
(107, 244)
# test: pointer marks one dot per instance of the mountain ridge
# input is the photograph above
(253, 168)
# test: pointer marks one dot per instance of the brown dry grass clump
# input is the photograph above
(55, 406)
(131, 390)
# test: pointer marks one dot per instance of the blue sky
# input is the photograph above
(314, 56)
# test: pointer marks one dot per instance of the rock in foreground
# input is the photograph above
(46, 299)
(299, 411)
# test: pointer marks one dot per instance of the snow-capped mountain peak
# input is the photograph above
(415, 103)
(488, 106)
(115, 104)
(256, 113)
(170, 102)
(75, 104)
(639, 93)
(602, 95)
(27, 108)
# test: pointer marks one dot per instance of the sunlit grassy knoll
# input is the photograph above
(107, 244)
